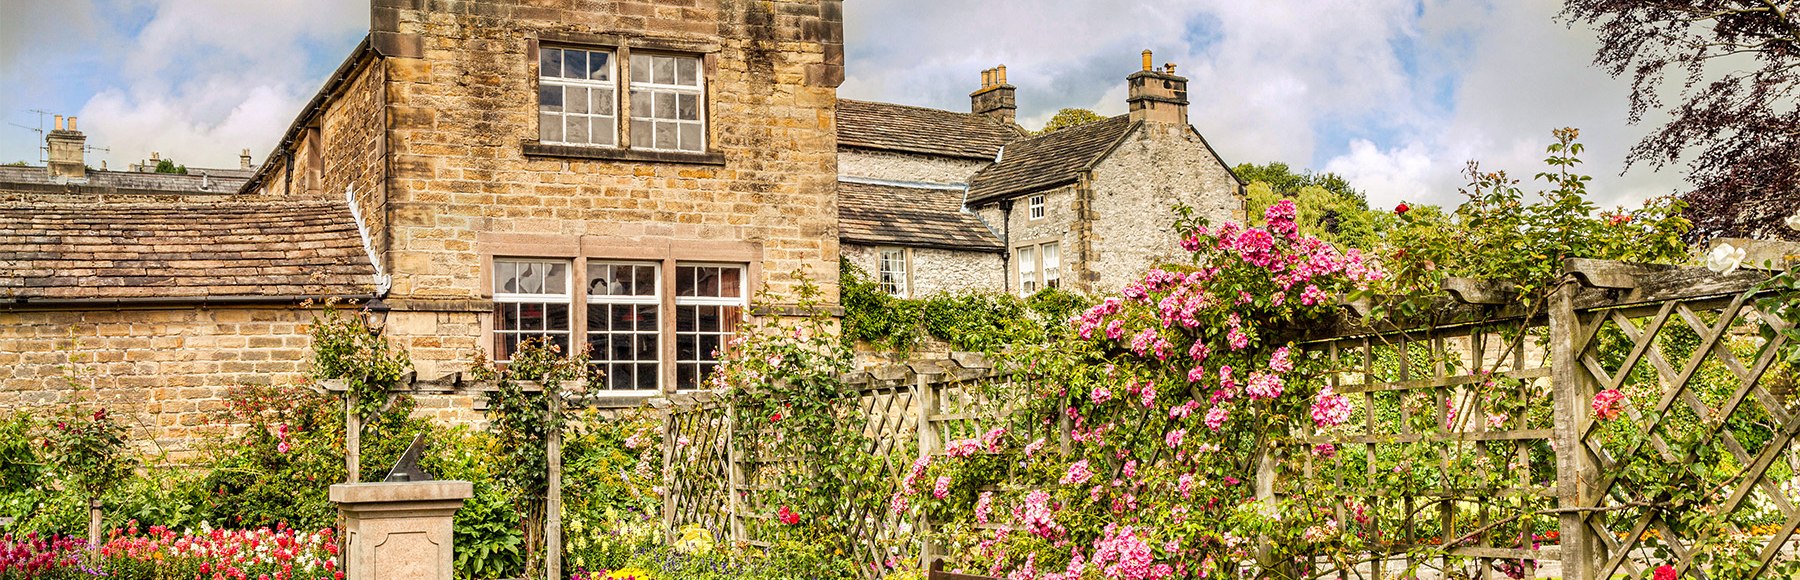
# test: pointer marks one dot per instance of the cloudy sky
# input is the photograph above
(1396, 95)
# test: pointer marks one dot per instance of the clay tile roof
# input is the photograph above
(79, 249)
(1048, 160)
(908, 216)
(890, 127)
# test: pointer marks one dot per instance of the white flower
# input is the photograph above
(1793, 221)
(1725, 258)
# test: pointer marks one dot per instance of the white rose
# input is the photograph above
(1793, 221)
(1725, 258)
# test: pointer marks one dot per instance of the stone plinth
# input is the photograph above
(399, 531)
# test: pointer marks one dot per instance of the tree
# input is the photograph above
(1329, 207)
(167, 166)
(1739, 62)
(1069, 118)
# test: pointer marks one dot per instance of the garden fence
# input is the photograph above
(1475, 433)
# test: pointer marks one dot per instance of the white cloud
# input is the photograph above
(1389, 176)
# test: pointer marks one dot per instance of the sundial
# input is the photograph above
(407, 468)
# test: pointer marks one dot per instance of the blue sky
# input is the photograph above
(1394, 94)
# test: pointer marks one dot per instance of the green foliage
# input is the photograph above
(345, 347)
(521, 422)
(1070, 117)
(87, 452)
(167, 166)
(1328, 206)
(1499, 234)
(974, 321)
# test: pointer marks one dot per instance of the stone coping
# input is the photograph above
(401, 492)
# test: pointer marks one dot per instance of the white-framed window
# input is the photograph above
(1035, 205)
(1028, 281)
(668, 103)
(1052, 253)
(531, 300)
(624, 330)
(577, 97)
(709, 304)
(892, 272)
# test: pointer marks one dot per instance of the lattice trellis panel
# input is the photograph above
(1699, 461)
(1449, 441)
(697, 454)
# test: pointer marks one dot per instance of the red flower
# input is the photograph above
(788, 516)
(1402, 208)
(776, 418)
(100, 414)
(1665, 572)
(1618, 219)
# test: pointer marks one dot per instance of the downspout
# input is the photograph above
(383, 281)
(1006, 244)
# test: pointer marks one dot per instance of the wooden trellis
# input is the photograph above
(1492, 400)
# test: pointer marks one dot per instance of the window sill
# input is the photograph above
(537, 149)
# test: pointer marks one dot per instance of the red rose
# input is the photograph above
(100, 414)
(776, 418)
(1665, 572)
(1402, 208)
(788, 516)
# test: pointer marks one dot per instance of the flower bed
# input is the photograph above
(280, 553)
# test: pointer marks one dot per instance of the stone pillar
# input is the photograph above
(399, 530)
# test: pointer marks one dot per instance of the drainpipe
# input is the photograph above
(1006, 243)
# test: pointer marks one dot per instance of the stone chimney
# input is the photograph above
(67, 151)
(1157, 96)
(244, 160)
(995, 98)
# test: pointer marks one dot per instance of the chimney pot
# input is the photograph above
(71, 123)
(59, 122)
(995, 98)
(1147, 59)
(1169, 68)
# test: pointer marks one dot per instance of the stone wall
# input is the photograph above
(166, 372)
(1058, 225)
(469, 182)
(355, 150)
(907, 167)
(936, 270)
(1134, 191)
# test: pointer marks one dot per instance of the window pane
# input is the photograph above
(687, 107)
(709, 346)
(640, 105)
(646, 318)
(665, 70)
(508, 315)
(556, 317)
(576, 63)
(646, 347)
(685, 378)
(576, 129)
(597, 66)
(665, 135)
(641, 132)
(665, 105)
(604, 132)
(603, 101)
(690, 137)
(623, 316)
(531, 317)
(686, 317)
(706, 282)
(549, 62)
(550, 98)
(619, 376)
(708, 319)
(556, 278)
(575, 100)
(645, 277)
(684, 280)
(504, 275)
(686, 347)
(550, 128)
(646, 377)
(686, 71)
(531, 278)
(730, 283)
(621, 347)
(729, 317)
(640, 68)
(596, 318)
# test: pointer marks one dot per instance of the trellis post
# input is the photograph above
(928, 444)
(734, 477)
(553, 503)
(1574, 472)
(669, 433)
(352, 439)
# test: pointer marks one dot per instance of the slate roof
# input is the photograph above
(910, 216)
(79, 249)
(890, 127)
(1048, 160)
(37, 180)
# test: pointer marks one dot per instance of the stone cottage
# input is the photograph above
(623, 174)
(941, 201)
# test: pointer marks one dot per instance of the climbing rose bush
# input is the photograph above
(1168, 390)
